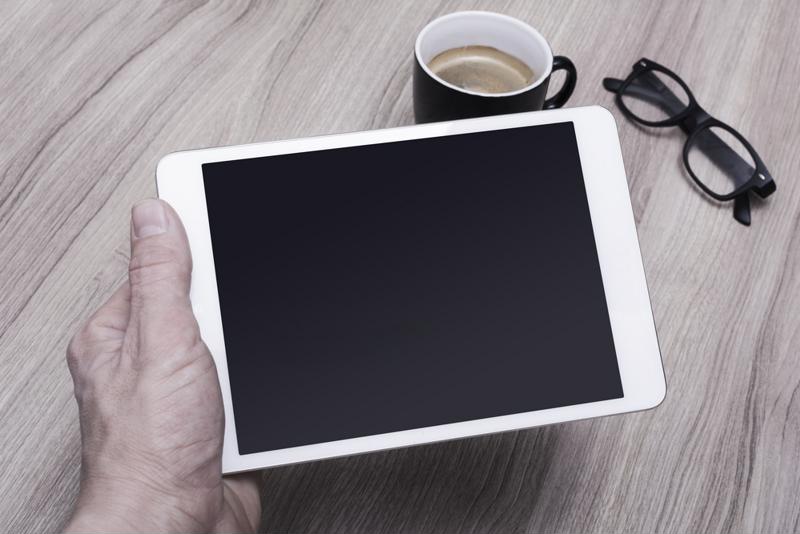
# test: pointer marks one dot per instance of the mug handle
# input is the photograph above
(563, 94)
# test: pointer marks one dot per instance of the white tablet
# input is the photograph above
(382, 289)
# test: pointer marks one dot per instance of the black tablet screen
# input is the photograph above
(403, 285)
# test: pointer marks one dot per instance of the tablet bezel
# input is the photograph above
(180, 182)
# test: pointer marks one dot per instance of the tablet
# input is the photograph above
(389, 288)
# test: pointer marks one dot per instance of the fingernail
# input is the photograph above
(148, 218)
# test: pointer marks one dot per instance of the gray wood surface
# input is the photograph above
(92, 94)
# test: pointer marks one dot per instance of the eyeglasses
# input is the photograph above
(719, 159)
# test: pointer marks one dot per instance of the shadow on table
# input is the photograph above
(496, 483)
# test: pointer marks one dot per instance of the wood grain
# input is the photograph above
(93, 93)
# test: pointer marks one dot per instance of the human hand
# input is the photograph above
(150, 405)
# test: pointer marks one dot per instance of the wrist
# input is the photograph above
(126, 505)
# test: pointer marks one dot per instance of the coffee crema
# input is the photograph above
(482, 69)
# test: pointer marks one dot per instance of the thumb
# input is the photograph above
(161, 264)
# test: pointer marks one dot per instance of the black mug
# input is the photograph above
(437, 100)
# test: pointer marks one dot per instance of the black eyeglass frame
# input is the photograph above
(693, 120)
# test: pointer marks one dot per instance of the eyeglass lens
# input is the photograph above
(719, 160)
(654, 96)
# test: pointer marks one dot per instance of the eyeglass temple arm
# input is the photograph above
(647, 87)
(741, 209)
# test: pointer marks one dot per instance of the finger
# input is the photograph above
(105, 329)
(111, 319)
(161, 264)
(160, 270)
(246, 490)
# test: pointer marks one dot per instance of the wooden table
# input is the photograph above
(92, 94)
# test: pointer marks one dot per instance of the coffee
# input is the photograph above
(482, 69)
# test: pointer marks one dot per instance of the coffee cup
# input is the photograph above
(478, 63)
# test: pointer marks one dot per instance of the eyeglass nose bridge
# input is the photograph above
(694, 120)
